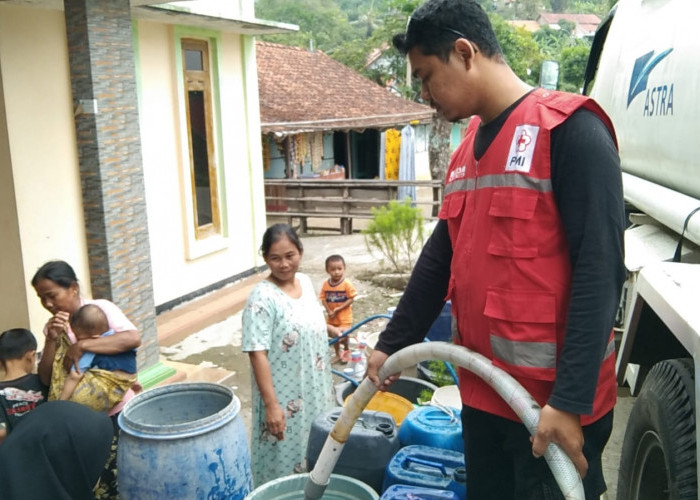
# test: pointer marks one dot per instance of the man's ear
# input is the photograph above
(466, 50)
(30, 356)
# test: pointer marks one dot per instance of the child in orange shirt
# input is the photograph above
(337, 295)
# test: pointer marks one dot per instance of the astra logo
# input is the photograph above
(659, 99)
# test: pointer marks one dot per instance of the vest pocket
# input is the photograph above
(523, 334)
(453, 205)
(512, 212)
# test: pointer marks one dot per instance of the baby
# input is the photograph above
(101, 379)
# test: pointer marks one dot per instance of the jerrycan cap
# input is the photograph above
(385, 428)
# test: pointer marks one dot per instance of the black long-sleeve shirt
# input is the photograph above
(587, 188)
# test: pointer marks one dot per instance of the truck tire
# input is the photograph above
(658, 458)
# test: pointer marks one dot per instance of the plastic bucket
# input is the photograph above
(393, 404)
(292, 488)
(407, 387)
(183, 441)
(447, 395)
(373, 440)
(404, 492)
(433, 426)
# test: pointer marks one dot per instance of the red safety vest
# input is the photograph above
(510, 271)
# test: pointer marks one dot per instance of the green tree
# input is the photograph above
(319, 21)
(558, 5)
(519, 49)
(572, 66)
(355, 53)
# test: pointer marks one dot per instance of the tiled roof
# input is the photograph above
(586, 24)
(303, 91)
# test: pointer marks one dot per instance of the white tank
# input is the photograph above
(648, 81)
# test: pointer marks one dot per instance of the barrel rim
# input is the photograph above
(303, 477)
(183, 429)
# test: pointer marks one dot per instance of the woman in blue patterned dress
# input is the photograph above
(286, 337)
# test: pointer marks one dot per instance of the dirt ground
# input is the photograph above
(219, 345)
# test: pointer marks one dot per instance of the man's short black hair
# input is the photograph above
(15, 343)
(434, 26)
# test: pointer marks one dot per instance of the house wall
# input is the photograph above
(41, 212)
(276, 161)
(182, 264)
(39, 163)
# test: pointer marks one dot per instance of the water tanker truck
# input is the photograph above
(644, 70)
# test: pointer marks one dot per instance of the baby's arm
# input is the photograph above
(70, 384)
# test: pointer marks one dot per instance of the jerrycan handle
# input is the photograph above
(408, 460)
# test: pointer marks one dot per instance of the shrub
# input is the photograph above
(396, 232)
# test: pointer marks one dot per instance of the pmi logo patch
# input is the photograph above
(522, 148)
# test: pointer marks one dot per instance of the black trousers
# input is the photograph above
(500, 465)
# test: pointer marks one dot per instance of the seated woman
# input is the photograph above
(57, 287)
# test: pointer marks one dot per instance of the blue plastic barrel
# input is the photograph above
(441, 329)
(433, 426)
(372, 442)
(428, 467)
(184, 441)
(404, 492)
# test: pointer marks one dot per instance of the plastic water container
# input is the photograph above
(183, 441)
(358, 364)
(372, 442)
(441, 329)
(433, 426)
(427, 467)
(410, 388)
(404, 492)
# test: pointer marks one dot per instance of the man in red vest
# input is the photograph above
(529, 249)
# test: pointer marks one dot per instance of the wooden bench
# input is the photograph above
(343, 199)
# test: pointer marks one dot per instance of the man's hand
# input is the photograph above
(73, 354)
(564, 429)
(376, 360)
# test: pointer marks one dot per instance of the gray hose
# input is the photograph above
(522, 403)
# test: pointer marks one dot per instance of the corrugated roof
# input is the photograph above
(303, 91)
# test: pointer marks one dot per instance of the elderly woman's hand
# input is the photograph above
(57, 325)
(275, 420)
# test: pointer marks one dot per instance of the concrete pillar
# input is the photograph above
(103, 81)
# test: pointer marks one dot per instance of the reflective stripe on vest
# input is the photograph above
(532, 354)
(501, 180)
